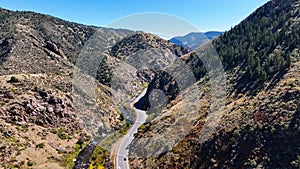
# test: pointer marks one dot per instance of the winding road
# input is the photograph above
(121, 161)
(83, 158)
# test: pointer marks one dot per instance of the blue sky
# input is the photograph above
(206, 15)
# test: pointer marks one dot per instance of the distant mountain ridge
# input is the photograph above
(195, 39)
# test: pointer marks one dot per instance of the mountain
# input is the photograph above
(213, 34)
(54, 96)
(259, 126)
(38, 112)
(47, 115)
(195, 39)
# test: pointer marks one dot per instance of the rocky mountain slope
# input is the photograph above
(259, 127)
(38, 53)
(46, 116)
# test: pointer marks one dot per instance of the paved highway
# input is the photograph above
(122, 154)
(83, 159)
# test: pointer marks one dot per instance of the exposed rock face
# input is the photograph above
(43, 109)
(29, 101)
(161, 81)
(53, 47)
